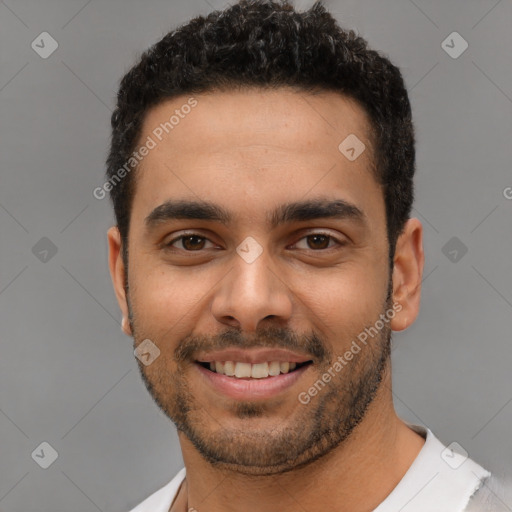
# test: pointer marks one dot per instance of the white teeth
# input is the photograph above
(259, 371)
(255, 371)
(229, 368)
(274, 368)
(242, 370)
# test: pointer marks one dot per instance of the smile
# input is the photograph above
(242, 370)
(251, 381)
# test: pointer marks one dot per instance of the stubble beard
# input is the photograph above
(310, 432)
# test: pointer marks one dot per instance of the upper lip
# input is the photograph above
(253, 356)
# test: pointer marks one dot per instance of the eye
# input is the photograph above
(318, 241)
(190, 242)
(194, 242)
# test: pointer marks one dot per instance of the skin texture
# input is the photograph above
(251, 151)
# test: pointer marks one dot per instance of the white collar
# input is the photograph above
(430, 484)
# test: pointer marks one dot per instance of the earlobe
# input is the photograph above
(125, 326)
(407, 273)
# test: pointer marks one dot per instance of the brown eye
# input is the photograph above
(190, 242)
(318, 241)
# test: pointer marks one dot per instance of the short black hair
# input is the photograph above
(268, 44)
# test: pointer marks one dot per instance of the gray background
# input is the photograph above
(67, 373)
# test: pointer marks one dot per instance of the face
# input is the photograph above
(255, 240)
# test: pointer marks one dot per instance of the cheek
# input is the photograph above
(162, 301)
(345, 300)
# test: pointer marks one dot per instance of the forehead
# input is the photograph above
(267, 145)
(288, 118)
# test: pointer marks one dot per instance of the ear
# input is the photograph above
(118, 273)
(407, 274)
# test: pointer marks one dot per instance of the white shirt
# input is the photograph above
(438, 480)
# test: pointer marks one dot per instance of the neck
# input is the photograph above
(357, 475)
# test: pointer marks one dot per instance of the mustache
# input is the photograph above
(271, 337)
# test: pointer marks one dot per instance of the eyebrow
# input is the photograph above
(299, 211)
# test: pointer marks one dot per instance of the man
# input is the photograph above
(261, 172)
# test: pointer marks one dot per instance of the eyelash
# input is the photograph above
(169, 244)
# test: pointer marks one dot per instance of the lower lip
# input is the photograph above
(247, 389)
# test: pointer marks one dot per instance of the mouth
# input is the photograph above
(242, 370)
(251, 382)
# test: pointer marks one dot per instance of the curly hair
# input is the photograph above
(268, 44)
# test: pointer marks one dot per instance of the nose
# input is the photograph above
(252, 294)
